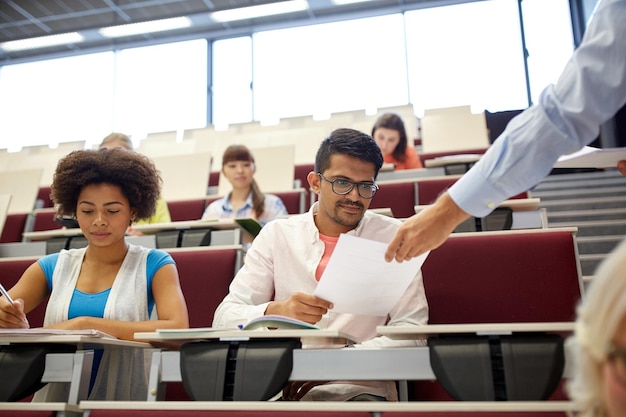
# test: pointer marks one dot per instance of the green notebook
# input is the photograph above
(251, 226)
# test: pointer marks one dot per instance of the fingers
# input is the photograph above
(315, 303)
(12, 315)
(19, 305)
(621, 167)
(394, 247)
(300, 306)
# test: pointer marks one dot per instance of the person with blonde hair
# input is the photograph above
(599, 344)
(246, 200)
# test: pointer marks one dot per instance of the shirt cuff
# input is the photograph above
(475, 195)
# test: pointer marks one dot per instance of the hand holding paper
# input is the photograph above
(358, 280)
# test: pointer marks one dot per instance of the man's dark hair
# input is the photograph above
(349, 142)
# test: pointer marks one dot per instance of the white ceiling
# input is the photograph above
(21, 19)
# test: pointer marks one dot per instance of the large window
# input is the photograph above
(232, 81)
(161, 88)
(54, 101)
(468, 54)
(549, 41)
(322, 69)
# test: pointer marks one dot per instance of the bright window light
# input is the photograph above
(145, 27)
(342, 2)
(42, 42)
(260, 10)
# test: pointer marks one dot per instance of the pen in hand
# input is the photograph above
(9, 299)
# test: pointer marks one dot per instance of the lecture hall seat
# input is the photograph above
(44, 220)
(14, 226)
(43, 197)
(523, 276)
(205, 274)
(428, 189)
(185, 210)
(398, 195)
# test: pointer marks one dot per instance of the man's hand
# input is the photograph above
(425, 230)
(304, 307)
(621, 167)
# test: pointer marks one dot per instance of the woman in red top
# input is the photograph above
(390, 135)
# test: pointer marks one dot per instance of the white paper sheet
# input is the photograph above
(358, 280)
(589, 157)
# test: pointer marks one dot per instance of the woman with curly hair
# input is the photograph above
(110, 285)
(599, 345)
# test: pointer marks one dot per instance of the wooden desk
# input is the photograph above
(219, 224)
(61, 409)
(71, 368)
(526, 213)
(460, 408)
(468, 160)
(323, 364)
(419, 332)
(313, 337)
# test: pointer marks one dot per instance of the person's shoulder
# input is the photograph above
(50, 259)
(158, 255)
(272, 199)
(217, 203)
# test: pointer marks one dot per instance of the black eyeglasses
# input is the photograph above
(617, 358)
(343, 187)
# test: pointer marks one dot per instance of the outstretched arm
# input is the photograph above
(426, 230)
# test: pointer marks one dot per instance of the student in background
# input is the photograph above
(110, 285)
(246, 199)
(599, 344)
(390, 135)
(162, 212)
(289, 256)
(568, 115)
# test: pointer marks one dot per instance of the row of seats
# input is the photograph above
(43, 219)
(490, 277)
(401, 196)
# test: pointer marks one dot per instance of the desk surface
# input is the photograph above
(42, 406)
(219, 224)
(515, 204)
(419, 332)
(451, 160)
(312, 337)
(40, 336)
(459, 406)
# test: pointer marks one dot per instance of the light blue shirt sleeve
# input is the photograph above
(591, 89)
(273, 207)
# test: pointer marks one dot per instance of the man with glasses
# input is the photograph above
(288, 257)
